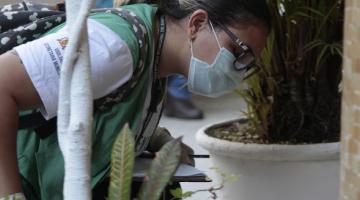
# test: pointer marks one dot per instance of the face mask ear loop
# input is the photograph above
(191, 48)
(216, 37)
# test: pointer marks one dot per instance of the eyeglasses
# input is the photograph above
(245, 61)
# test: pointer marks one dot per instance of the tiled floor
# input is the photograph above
(216, 110)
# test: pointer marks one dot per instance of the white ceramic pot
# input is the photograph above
(275, 172)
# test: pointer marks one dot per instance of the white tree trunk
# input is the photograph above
(350, 126)
(76, 104)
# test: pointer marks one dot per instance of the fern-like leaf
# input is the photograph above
(122, 165)
(162, 169)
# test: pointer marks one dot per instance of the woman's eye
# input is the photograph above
(237, 52)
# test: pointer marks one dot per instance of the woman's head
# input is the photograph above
(206, 24)
(250, 20)
(226, 12)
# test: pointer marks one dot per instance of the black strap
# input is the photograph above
(36, 121)
(139, 30)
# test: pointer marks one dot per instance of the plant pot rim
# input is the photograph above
(266, 152)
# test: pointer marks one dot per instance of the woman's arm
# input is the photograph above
(16, 93)
(15, 80)
(163, 136)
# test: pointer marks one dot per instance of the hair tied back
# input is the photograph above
(118, 3)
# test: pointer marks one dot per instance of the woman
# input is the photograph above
(212, 42)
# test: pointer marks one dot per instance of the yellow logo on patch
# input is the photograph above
(63, 42)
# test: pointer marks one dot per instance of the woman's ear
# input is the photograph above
(198, 20)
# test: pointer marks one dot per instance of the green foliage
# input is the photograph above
(295, 97)
(162, 169)
(122, 163)
(178, 194)
(225, 178)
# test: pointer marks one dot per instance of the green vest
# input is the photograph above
(40, 161)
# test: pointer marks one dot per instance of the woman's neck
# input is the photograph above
(171, 60)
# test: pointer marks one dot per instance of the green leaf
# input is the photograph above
(321, 57)
(162, 169)
(187, 194)
(177, 193)
(122, 165)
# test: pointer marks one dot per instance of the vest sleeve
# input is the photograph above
(111, 63)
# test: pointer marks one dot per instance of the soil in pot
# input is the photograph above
(238, 131)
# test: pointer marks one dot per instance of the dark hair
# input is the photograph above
(226, 12)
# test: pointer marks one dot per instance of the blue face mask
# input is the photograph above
(216, 79)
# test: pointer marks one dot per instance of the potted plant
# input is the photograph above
(287, 146)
